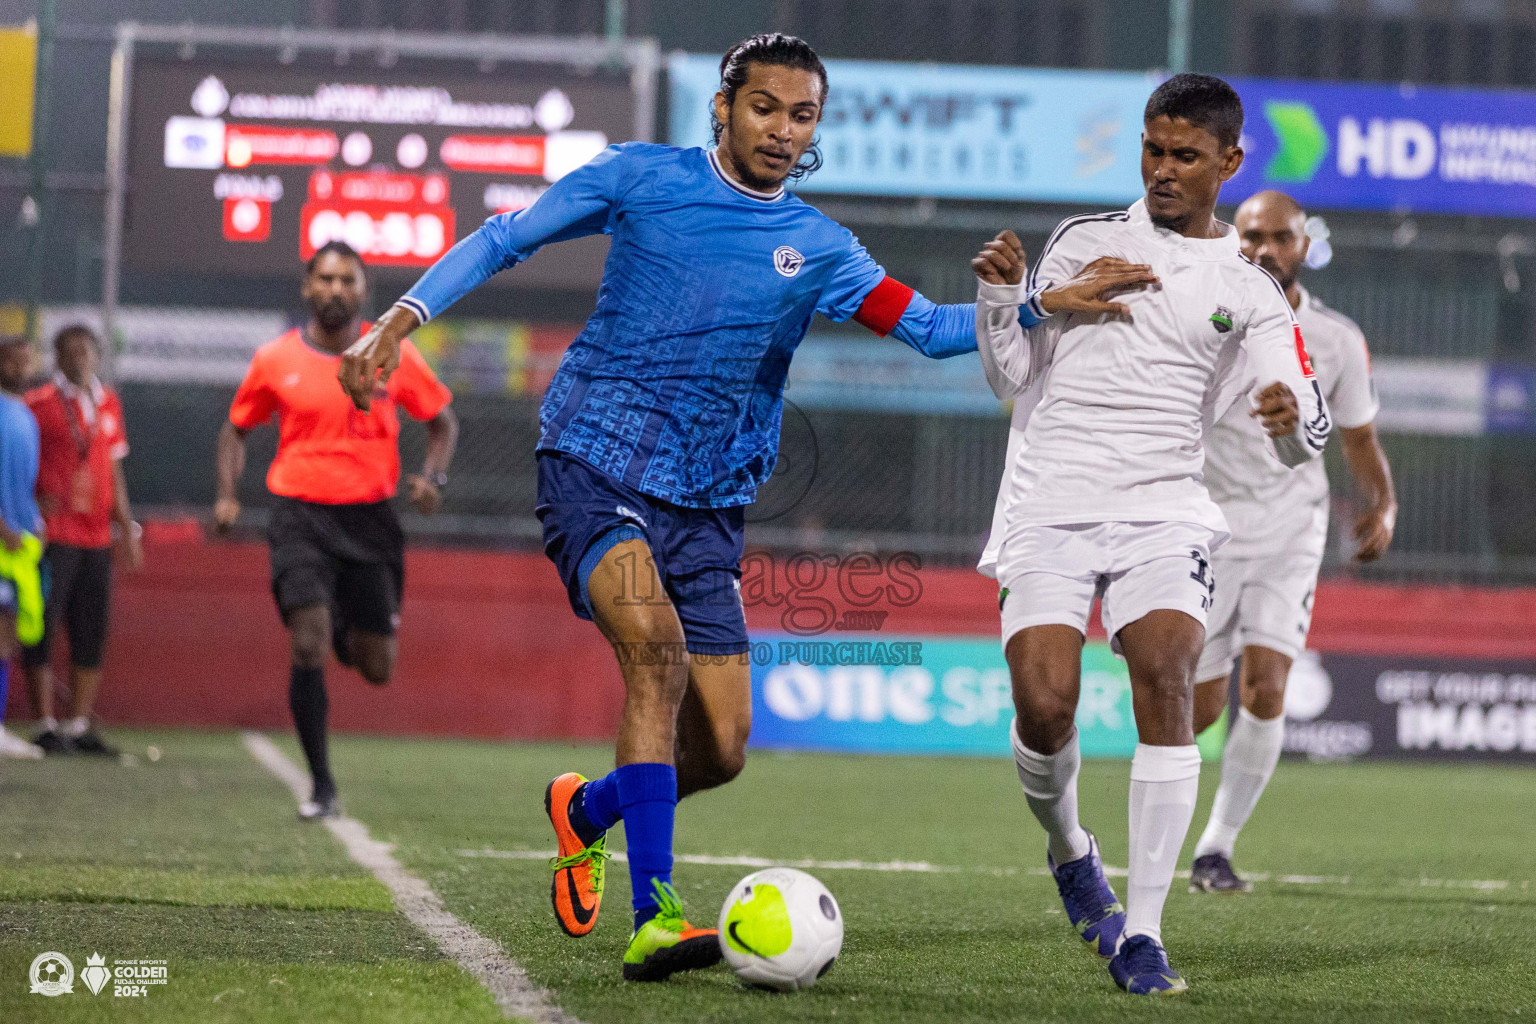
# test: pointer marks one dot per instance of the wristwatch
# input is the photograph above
(439, 480)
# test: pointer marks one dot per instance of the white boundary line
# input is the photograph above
(923, 867)
(508, 983)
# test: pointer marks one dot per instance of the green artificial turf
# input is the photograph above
(1397, 892)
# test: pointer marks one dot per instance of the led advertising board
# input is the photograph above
(247, 168)
(1026, 134)
(956, 131)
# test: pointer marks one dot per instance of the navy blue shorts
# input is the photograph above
(697, 550)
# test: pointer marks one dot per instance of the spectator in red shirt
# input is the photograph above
(82, 494)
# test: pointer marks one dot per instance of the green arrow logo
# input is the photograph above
(1303, 142)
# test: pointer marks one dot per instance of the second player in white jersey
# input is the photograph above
(1266, 574)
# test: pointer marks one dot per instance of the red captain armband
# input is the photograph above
(885, 304)
(1301, 353)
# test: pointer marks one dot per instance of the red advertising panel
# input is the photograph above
(245, 167)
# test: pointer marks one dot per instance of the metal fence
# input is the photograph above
(852, 480)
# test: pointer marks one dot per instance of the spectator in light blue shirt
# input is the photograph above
(19, 513)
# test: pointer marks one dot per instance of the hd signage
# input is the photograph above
(1404, 148)
(247, 168)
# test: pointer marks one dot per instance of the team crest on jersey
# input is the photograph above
(787, 261)
(1222, 318)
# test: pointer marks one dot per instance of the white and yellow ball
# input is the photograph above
(781, 929)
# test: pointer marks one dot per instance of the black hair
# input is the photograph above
(1205, 101)
(335, 248)
(774, 48)
(75, 331)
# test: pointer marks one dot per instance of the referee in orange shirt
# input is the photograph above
(337, 549)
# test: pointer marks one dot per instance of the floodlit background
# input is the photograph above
(177, 161)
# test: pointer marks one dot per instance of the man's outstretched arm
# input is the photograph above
(578, 204)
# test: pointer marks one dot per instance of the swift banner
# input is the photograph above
(951, 131)
(956, 131)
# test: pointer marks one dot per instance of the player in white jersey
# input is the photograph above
(1266, 574)
(1103, 494)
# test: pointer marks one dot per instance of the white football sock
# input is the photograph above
(76, 727)
(1252, 751)
(1164, 784)
(49, 724)
(1050, 787)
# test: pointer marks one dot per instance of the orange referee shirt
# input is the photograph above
(328, 452)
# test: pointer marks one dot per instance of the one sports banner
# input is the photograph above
(896, 694)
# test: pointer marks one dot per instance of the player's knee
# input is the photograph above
(1045, 718)
(1265, 699)
(1167, 671)
(728, 763)
(377, 670)
(308, 645)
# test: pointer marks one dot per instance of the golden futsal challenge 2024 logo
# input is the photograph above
(53, 974)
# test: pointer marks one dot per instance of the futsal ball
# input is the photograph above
(780, 929)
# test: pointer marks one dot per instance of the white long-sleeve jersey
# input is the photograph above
(1111, 413)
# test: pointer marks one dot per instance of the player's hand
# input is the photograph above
(1373, 532)
(133, 549)
(9, 539)
(225, 512)
(1089, 292)
(368, 363)
(424, 494)
(1277, 411)
(1001, 261)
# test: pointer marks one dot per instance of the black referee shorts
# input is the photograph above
(79, 595)
(350, 558)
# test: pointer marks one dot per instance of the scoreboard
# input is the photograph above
(246, 169)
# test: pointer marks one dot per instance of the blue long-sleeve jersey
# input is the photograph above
(675, 385)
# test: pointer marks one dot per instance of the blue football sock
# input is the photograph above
(600, 802)
(648, 802)
(5, 685)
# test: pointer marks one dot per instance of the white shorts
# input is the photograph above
(1260, 602)
(1050, 575)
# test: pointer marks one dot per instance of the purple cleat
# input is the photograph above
(1142, 969)
(1092, 906)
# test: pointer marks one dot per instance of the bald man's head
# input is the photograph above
(1272, 229)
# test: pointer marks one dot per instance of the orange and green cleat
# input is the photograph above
(577, 888)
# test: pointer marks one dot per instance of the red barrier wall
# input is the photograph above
(489, 647)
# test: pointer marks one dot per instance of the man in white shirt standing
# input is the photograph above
(1267, 572)
(1103, 494)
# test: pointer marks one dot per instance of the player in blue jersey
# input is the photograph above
(659, 426)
